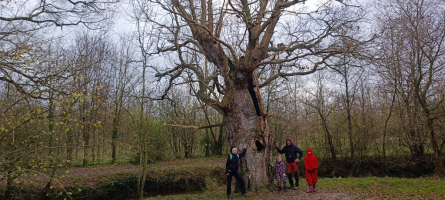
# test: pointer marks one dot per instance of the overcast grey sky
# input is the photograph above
(123, 23)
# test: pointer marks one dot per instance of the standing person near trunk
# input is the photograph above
(232, 166)
(290, 151)
(311, 165)
(280, 170)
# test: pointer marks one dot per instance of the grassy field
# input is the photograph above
(388, 188)
(203, 178)
(343, 188)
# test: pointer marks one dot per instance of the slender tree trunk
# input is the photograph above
(220, 141)
(69, 136)
(440, 165)
(436, 148)
(349, 117)
(9, 187)
(93, 145)
(116, 118)
(385, 130)
(10, 168)
(51, 156)
(114, 135)
(86, 137)
(329, 139)
(143, 134)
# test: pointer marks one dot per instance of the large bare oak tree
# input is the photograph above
(231, 49)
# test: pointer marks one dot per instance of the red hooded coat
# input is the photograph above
(311, 165)
(310, 161)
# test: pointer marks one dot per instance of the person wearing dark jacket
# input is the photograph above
(232, 166)
(290, 151)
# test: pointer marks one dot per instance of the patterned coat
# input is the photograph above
(280, 173)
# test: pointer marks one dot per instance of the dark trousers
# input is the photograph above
(297, 179)
(238, 178)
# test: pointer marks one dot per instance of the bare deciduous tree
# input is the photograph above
(415, 55)
(240, 40)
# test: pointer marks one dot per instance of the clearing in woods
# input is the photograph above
(329, 188)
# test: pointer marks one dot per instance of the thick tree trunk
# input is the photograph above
(245, 122)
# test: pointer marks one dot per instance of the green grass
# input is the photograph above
(387, 188)
(217, 193)
(203, 178)
(370, 187)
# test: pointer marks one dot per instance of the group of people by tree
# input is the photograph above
(293, 155)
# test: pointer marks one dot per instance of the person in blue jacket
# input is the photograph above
(232, 166)
(291, 151)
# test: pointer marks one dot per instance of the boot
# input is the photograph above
(284, 188)
(229, 196)
(279, 188)
(309, 190)
(314, 189)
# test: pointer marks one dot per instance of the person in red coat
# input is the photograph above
(311, 165)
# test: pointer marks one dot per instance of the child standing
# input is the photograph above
(311, 165)
(280, 173)
(232, 166)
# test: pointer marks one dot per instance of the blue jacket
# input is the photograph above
(291, 152)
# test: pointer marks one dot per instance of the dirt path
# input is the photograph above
(301, 194)
(275, 195)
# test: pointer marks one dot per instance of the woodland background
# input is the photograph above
(75, 93)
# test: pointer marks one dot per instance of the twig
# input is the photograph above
(193, 127)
